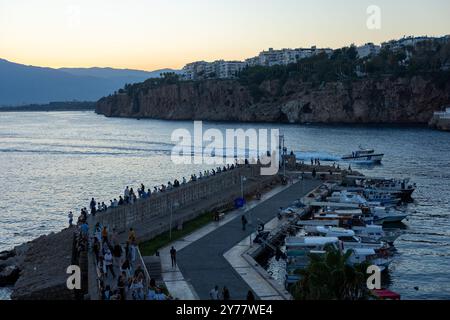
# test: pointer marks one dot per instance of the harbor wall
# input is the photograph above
(198, 196)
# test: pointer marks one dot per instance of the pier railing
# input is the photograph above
(161, 204)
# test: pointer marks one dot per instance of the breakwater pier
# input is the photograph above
(156, 215)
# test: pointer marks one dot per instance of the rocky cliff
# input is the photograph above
(381, 100)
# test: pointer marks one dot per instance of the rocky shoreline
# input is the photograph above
(34, 270)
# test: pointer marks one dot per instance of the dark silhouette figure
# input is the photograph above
(244, 222)
(173, 257)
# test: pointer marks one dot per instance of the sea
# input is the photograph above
(55, 162)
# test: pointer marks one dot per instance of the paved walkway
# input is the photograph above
(203, 264)
(178, 286)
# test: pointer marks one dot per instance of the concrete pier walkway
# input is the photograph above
(203, 264)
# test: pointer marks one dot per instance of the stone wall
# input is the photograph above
(214, 191)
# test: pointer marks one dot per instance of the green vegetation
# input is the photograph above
(330, 277)
(149, 248)
(167, 78)
(426, 58)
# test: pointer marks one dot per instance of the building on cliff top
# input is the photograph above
(441, 120)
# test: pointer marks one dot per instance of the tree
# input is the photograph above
(331, 277)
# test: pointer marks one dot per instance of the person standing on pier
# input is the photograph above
(109, 264)
(214, 293)
(173, 257)
(244, 222)
(225, 294)
(93, 205)
(132, 242)
(70, 215)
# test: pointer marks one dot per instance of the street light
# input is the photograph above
(171, 217)
(243, 179)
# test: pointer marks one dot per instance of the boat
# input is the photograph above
(364, 155)
(383, 215)
(347, 197)
(330, 231)
(298, 250)
(369, 255)
(403, 187)
(357, 242)
(383, 198)
(377, 232)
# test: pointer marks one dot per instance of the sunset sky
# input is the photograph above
(154, 34)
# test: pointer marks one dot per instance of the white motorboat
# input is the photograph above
(298, 250)
(383, 215)
(402, 186)
(364, 155)
(376, 232)
(357, 242)
(347, 197)
(330, 231)
(361, 255)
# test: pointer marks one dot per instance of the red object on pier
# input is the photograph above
(384, 294)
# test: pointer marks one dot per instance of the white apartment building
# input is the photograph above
(193, 70)
(404, 42)
(285, 56)
(218, 69)
(228, 69)
(367, 50)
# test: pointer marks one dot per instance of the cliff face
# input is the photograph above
(402, 100)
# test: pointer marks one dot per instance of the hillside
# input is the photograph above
(392, 87)
(21, 84)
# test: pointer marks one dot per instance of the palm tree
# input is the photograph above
(331, 277)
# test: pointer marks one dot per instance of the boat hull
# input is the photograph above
(374, 158)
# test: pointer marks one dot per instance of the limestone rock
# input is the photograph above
(380, 100)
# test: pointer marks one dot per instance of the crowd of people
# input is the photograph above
(120, 276)
(224, 294)
(130, 196)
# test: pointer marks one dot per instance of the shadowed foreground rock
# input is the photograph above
(43, 270)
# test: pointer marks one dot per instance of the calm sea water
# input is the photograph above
(54, 162)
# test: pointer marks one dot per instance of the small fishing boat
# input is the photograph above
(364, 155)
(369, 255)
(403, 187)
(377, 232)
(383, 215)
(298, 250)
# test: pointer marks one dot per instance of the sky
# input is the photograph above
(155, 34)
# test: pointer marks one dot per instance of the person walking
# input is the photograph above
(214, 293)
(133, 244)
(244, 222)
(70, 215)
(225, 294)
(93, 206)
(109, 264)
(173, 257)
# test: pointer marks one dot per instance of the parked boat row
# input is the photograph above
(352, 219)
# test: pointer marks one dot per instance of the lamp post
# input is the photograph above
(243, 179)
(171, 217)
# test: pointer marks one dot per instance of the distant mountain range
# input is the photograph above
(21, 84)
